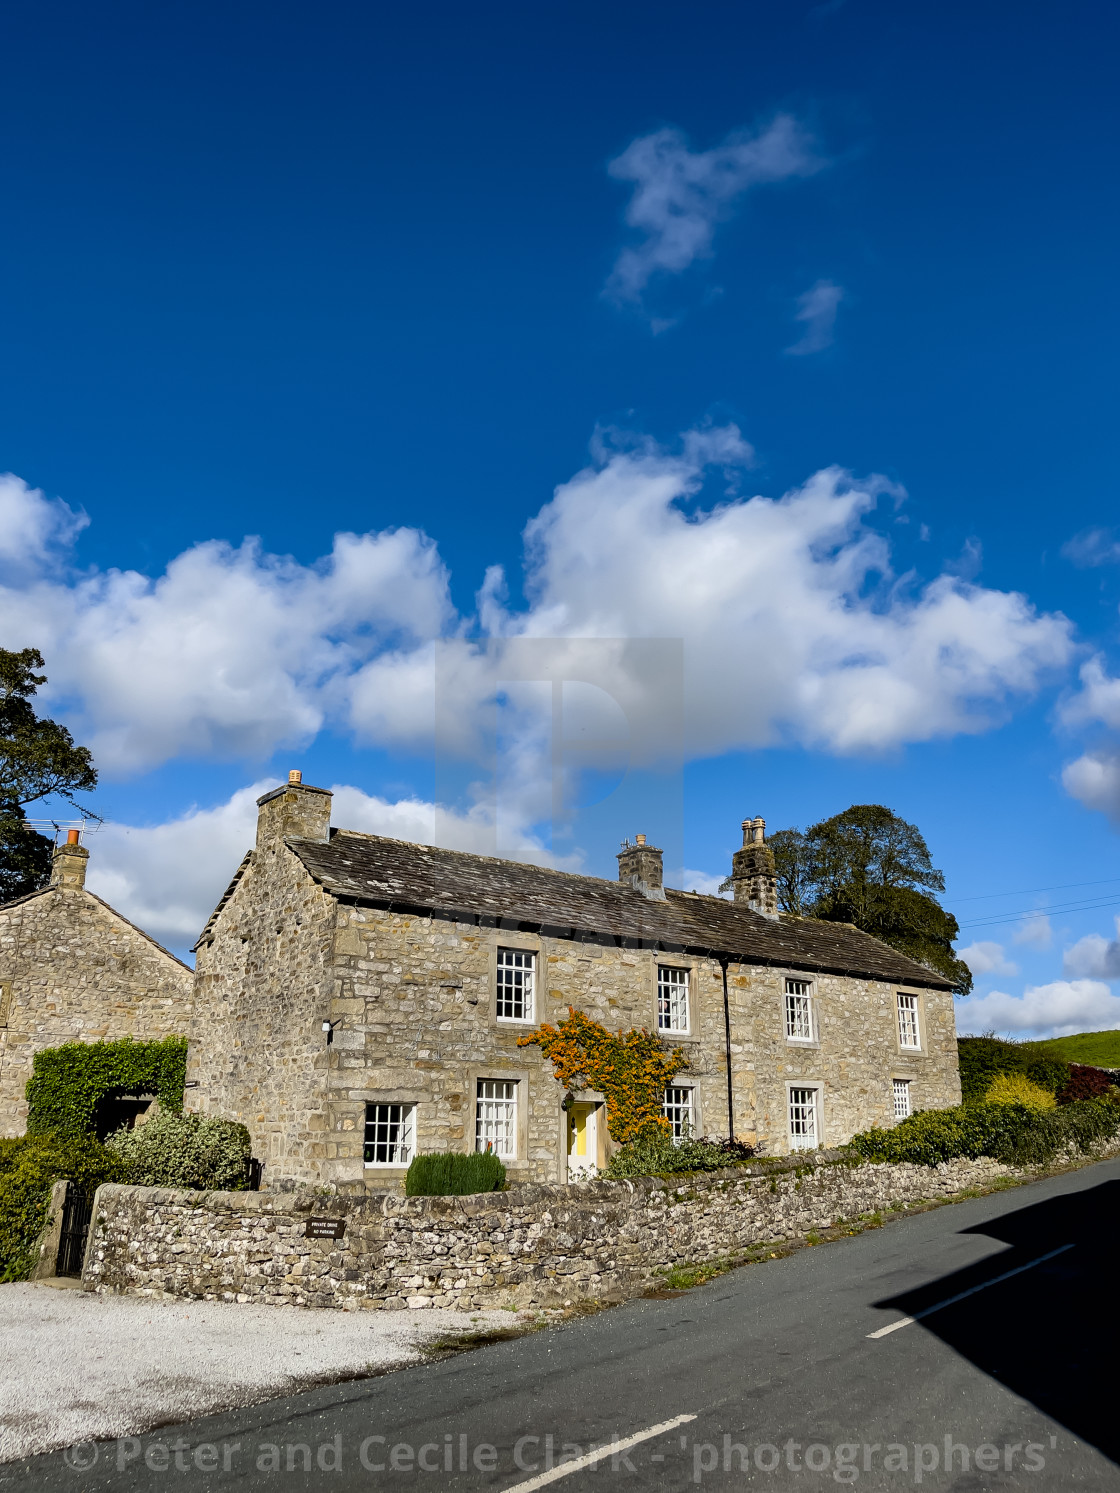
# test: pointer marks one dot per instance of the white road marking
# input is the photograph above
(917, 1317)
(611, 1448)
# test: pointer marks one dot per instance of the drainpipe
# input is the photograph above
(727, 1047)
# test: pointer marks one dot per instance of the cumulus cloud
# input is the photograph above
(794, 628)
(816, 310)
(1098, 699)
(681, 194)
(1054, 1010)
(231, 652)
(1094, 956)
(1094, 780)
(34, 529)
(985, 958)
(1092, 547)
(1034, 931)
(167, 878)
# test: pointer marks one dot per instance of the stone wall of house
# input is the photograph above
(73, 970)
(412, 1002)
(854, 1057)
(530, 1246)
(263, 987)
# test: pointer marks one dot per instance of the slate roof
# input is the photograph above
(380, 872)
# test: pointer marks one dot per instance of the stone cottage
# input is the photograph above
(359, 999)
(74, 970)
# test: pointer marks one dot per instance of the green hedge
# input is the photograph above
(197, 1151)
(1006, 1132)
(67, 1082)
(453, 1173)
(984, 1058)
(29, 1166)
(656, 1153)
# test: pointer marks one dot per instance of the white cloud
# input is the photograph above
(792, 624)
(1034, 931)
(986, 958)
(33, 527)
(817, 308)
(1098, 699)
(167, 878)
(1092, 547)
(794, 628)
(1094, 780)
(1094, 956)
(1054, 1010)
(681, 194)
(700, 881)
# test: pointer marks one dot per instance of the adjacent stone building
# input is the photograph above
(359, 999)
(73, 970)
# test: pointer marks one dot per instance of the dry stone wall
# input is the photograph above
(530, 1246)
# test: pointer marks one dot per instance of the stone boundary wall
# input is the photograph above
(535, 1246)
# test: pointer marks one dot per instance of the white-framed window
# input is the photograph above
(516, 971)
(390, 1138)
(677, 1107)
(909, 1034)
(804, 1119)
(799, 1011)
(901, 1091)
(495, 1117)
(672, 999)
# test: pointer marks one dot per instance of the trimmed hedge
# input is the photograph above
(29, 1166)
(68, 1082)
(197, 1151)
(1007, 1132)
(454, 1173)
(656, 1153)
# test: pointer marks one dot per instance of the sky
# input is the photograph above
(546, 424)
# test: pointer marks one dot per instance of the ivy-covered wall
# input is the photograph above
(68, 1082)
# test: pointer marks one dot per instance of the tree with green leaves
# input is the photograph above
(870, 867)
(38, 759)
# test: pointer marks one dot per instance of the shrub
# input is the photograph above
(201, 1152)
(655, 1153)
(1010, 1133)
(29, 1166)
(1049, 1073)
(1016, 1088)
(1085, 1083)
(630, 1069)
(454, 1173)
(68, 1082)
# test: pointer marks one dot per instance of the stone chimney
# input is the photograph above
(297, 811)
(752, 871)
(640, 866)
(68, 869)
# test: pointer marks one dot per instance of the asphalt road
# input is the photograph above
(769, 1378)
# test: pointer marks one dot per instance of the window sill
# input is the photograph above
(809, 1042)
(516, 1020)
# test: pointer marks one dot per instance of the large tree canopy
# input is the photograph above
(869, 867)
(38, 759)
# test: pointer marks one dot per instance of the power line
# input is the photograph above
(1040, 912)
(1031, 890)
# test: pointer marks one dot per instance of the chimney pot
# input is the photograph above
(639, 839)
(73, 836)
(295, 776)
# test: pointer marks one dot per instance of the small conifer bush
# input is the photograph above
(454, 1173)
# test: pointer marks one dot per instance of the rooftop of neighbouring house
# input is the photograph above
(380, 872)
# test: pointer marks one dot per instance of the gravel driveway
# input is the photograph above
(78, 1367)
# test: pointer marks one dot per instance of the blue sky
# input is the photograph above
(432, 276)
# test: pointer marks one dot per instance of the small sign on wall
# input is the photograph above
(325, 1228)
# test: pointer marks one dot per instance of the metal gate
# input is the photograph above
(75, 1229)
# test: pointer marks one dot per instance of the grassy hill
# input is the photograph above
(1100, 1049)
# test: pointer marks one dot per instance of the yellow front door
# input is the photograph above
(582, 1139)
